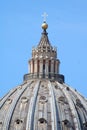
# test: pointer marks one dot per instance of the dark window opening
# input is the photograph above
(43, 69)
(42, 120)
(85, 125)
(0, 123)
(49, 66)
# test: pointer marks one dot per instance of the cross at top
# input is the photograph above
(45, 16)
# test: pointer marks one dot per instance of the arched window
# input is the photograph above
(67, 123)
(49, 66)
(1, 124)
(43, 68)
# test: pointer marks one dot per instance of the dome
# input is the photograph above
(43, 101)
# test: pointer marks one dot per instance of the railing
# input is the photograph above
(50, 75)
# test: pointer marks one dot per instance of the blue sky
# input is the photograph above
(20, 29)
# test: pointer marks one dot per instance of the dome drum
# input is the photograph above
(50, 76)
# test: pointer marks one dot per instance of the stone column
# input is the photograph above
(46, 68)
(52, 69)
(56, 66)
(57, 62)
(35, 68)
(41, 68)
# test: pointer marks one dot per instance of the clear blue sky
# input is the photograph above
(20, 29)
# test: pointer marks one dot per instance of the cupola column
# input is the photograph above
(52, 68)
(56, 67)
(47, 64)
(41, 68)
(35, 67)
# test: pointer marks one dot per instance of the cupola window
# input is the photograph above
(42, 121)
(43, 99)
(66, 123)
(63, 99)
(78, 103)
(56, 87)
(24, 100)
(9, 101)
(0, 124)
(43, 68)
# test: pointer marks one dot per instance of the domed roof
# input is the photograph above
(43, 101)
(45, 104)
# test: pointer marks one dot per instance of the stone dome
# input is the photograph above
(43, 101)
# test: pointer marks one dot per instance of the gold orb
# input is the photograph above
(44, 26)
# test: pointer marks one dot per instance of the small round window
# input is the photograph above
(9, 101)
(24, 100)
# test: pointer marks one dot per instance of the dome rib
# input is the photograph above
(12, 106)
(53, 108)
(80, 98)
(6, 97)
(72, 107)
(31, 111)
(48, 100)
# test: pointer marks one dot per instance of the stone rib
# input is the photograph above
(11, 109)
(72, 107)
(6, 97)
(31, 111)
(80, 98)
(53, 108)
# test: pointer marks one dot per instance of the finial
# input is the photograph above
(44, 25)
(44, 16)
